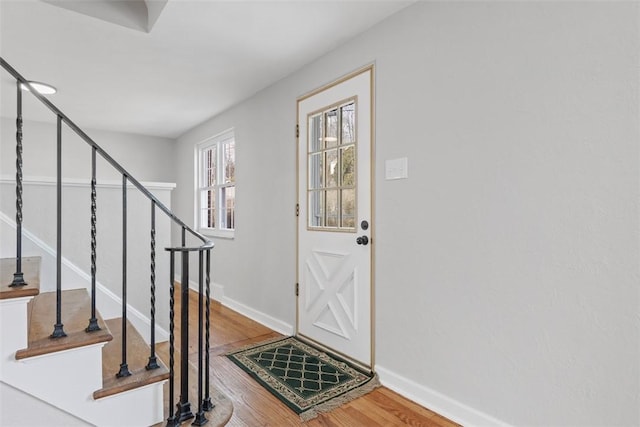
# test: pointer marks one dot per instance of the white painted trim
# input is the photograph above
(260, 317)
(106, 299)
(218, 292)
(78, 182)
(435, 401)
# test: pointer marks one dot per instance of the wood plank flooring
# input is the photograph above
(255, 406)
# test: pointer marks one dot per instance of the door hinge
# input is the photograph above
(297, 289)
(297, 131)
(297, 209)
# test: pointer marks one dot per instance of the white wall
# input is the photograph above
(507, 264)
(256, 267)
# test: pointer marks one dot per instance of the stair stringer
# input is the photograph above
(108, 303)
(67, 379)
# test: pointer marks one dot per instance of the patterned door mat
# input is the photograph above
(306, 379)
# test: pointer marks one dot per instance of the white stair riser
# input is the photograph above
(140, 407)
(67, 379)
(13, 326)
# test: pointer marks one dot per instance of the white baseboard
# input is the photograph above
(108, 303)
(435, 401)
(218, 292)
(260, 317)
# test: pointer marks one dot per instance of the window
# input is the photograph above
(331, 152)
(217, 185)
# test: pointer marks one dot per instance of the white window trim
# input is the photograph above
(214, 140)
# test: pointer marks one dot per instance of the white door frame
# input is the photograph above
(368, 68)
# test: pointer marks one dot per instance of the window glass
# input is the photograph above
(217, 178)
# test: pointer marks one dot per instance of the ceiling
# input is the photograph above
(157, 67)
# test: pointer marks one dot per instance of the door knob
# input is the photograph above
(362, 240)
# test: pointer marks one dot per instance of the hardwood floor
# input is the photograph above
(255, 406)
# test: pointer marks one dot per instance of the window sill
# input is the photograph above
(222, 234)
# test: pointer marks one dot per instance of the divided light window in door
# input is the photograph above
(331, 151)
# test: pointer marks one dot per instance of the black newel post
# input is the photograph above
(172, 419)
(58, 328)
(207, 404)
(124, 367)
(184, 407)
(200, 418)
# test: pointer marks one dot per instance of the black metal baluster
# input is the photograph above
(184, 407)
(171, 421)
(153, 361)
(93, 322)
(58, 328)
(124, 367)
(200, 418)
(18, 276)
(184, 236)
(207, 404)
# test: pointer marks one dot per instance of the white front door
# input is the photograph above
(335, 217)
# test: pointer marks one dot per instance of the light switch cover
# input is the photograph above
(396, 169)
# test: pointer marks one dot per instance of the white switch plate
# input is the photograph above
(396, 169)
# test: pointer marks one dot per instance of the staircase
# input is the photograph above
(71, 373)
(56, 349)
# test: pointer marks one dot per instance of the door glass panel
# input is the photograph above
(348, 123)
(315, 133)
(348, 161)
(316, 208)
(331, 131)
(348, 208)
(332, 208)
(332, 168)
(316, 172)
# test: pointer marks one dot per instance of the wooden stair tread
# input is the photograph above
(76, 311)
(31, 271)
(137, 358)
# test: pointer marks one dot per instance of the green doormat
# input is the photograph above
(306, 379)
